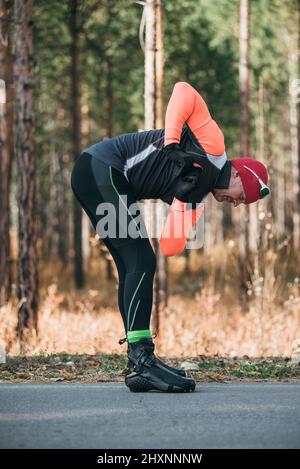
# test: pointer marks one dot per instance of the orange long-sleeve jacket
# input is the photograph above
(186, 105)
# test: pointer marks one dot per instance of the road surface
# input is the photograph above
(108, 415)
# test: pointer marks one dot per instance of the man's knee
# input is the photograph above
(137, 256)
(145, 260)
(149, 261)
(140, 257)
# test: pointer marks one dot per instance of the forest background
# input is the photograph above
(85, 79)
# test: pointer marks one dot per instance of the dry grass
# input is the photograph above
(96, 368)
(208, 321)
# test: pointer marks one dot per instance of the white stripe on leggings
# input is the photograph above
(134, 314)
(144, 273)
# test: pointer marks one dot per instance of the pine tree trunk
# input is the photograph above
(108, 106)
(149, 96)
(253, 230)
(149, 93)
(244, 132)
(85, 131)
(280, 200)
(6, 147)
(162, 266)
(298, 100)
(76, 139)
(293, 68)
(154, 119)
(108, 98)
(24, 112)
(59, 208)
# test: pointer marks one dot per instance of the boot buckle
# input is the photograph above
(121, 341)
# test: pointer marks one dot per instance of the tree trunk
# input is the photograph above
(280, 200)
(76, 138)
(154, 119)
(149, 96)
(162, 266)
(108, 105)
(298, 100)
(294, 157)
(6, 147)
(244, 76)
(85, 130)
(24, 112)
(60, 208)
(253, 230)
(209, 231)
(149, 65)
(244, 132)
(108, 98)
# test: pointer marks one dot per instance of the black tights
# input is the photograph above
(93, 182)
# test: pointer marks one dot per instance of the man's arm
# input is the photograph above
(187, 106)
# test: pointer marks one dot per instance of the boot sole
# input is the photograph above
(139, 383)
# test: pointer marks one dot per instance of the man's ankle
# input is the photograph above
(137, 335)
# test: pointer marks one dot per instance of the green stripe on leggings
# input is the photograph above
(135, 336)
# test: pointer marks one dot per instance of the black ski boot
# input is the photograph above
(170, 368)
(146, 373)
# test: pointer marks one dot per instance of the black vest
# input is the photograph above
(210, 175)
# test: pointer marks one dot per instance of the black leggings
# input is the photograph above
(94, 182)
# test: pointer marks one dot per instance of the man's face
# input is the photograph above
(234, 194)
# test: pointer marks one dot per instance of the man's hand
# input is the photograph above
(182, 159)
(186, 184)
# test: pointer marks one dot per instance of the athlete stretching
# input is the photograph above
(184, 161)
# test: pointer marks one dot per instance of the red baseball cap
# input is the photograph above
(254, 177)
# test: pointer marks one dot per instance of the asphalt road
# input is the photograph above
(108, 415)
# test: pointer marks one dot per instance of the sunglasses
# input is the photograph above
(264, 189)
